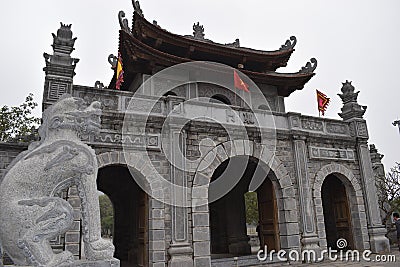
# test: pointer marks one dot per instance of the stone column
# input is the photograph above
(353, 113)
(309, 237)
(378, 241)
(180, 249)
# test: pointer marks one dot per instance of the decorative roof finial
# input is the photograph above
(309, 67)
(235, 44)
(289, 44)
(136, 7)
(113, 60)
(351, 108)
(63, 43)
(198, 31)
(123, 22)
(99, 85)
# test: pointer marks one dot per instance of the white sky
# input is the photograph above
(354, 40)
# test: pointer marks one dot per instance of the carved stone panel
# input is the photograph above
(312, 125)
(337, 128)
(331, 153)
(108, 102)
(152, 141)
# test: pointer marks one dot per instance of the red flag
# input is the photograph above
(323, 102)
(239, 83)
(120, 73)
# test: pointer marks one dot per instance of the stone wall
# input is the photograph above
(8, 152)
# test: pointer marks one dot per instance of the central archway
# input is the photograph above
(288, 235)
(228, 224)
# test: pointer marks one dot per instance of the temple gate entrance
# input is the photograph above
(130, 205)
(228, 214)
(336, 212)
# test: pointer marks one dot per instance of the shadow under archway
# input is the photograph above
(130, 204)
(337, 214)
(228, 214)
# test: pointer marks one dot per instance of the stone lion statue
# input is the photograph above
(30, 212)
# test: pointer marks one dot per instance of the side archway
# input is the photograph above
(355, 200)
(135, 163)
(284, 191)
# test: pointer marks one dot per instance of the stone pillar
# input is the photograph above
(236, 224)
(353, 113)
(60, 66)
(378, 241)
(379, 175)
(180, 249)
(309, 232)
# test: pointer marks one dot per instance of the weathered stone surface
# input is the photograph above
(30, 213)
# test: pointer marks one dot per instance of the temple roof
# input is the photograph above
(196, 47)
(148, 47)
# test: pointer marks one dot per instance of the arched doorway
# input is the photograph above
(130, 205)
(337, 214)
(228, 214)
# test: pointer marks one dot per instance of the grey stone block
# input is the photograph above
(202, 261)
(201, 234)
(201, 248)
(201, 219)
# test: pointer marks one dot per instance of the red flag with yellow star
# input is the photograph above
(239, 83)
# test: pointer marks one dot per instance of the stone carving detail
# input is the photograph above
(246, 117)
(99, 85)
(31, 214)
(107, 102)
(362, 129)
(113, 60)
(136, 7)
(295, 122)
(123, 22)
(351, 109)
(143, 105)
(309, 67)
(198, 31)
(235, 44)
(337, 128)
(312, 125)
(146, 141)
(331, 153)
(289, 44)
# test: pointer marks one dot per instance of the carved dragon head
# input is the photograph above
(72, 113)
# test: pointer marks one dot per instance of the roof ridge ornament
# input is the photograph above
(123, 22)
(309, 67)
(235, 44)
(289, 44)
(113, 61)
(198, 31)
(136, 7)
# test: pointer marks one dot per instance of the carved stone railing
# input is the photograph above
(318, 125)
(120, 102)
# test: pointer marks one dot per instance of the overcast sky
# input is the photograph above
(353, 40)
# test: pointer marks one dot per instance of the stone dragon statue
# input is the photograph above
(31, 214)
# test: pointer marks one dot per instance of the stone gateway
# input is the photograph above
(179, 148)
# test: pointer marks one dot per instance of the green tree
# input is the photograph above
(106, 215)
(17, 124)
(251, 208)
